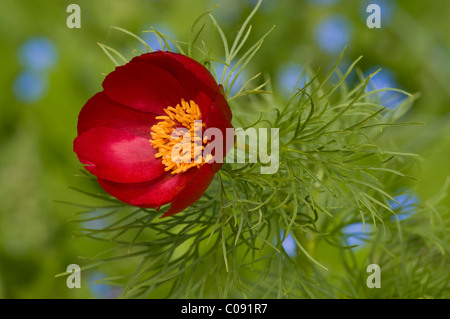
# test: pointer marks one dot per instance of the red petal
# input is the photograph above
(223, 106)
(195, 68)
(218, 120)
(100, 111)
(152, 194)
(192, 76)
(182, 190)
(193, 191)
(144, 87)
(118, 156)
(204, 104)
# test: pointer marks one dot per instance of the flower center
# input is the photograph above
(178, 137)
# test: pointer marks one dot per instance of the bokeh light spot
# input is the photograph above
(102, 291)
(333, 34)
(385, 79)
(355, 234)
(29, 87)
(405, 205)
(38, 54)
(290, 78)
(289, 245)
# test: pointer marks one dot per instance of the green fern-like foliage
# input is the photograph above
(332, 173)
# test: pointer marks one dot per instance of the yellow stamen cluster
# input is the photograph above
(185, 115)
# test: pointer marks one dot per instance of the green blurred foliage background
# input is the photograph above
(49, 71)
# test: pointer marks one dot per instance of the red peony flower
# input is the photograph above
(124, 131)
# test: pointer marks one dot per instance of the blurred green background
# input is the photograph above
(49, 71)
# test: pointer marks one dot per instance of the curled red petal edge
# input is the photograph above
(194, 190)
(144, 87)
(182, 66)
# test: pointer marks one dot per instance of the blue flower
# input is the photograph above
(382, 80)
(354, 235)
(290, 78)
(406, 208)
(29, 87)
(38, 54)
(289, 245)
(333, 34)
(102, 291)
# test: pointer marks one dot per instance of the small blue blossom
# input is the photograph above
(333, 34)
(38, 54)
(102, 291)
(289, 245)
(29, 87)
(290, 78)
(384, 79)
(354, 235)
(406, 208)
